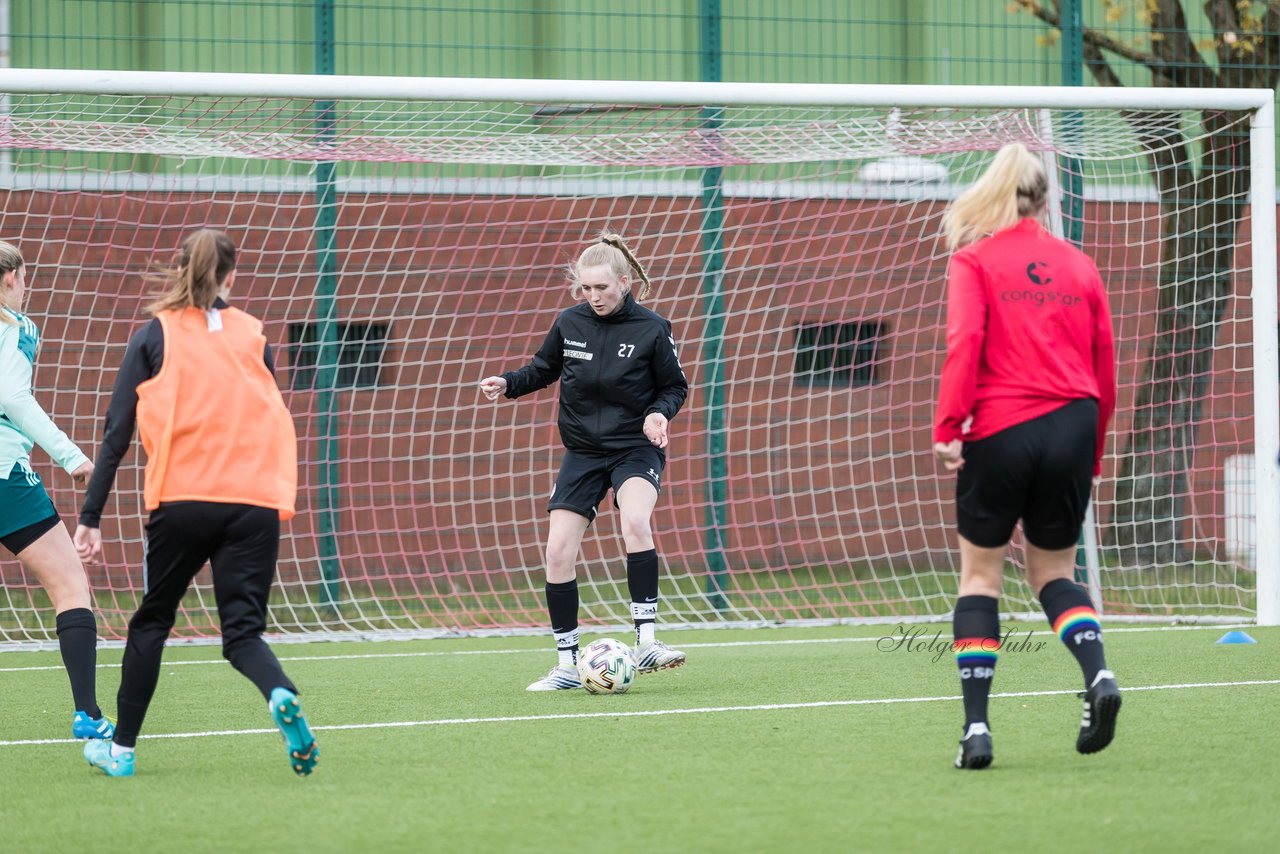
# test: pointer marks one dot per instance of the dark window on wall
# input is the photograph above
(361, 350)
(840, 355)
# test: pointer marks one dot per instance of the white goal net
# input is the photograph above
(402, 239)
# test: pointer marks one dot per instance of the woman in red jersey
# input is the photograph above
(1027, 391)
(221, 474)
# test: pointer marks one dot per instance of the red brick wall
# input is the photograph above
(440, 486)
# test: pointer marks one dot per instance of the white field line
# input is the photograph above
(919, 633)
(704, 710)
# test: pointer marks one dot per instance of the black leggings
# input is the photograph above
(241, 543)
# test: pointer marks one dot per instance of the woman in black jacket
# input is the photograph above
(620, 385)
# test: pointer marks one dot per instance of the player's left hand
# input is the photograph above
(655, 429)
(82, 474)
(948, 453)
(88, 543)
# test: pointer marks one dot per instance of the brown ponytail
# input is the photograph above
(208, 257)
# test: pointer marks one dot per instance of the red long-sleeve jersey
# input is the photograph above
(1028, 330)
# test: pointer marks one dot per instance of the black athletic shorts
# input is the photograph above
(1039, 471)
(17, 541)
(585, 476)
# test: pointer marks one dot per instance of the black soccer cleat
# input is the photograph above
(1101, 708)
(975, 747)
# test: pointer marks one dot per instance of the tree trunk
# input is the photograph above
(1199, 223)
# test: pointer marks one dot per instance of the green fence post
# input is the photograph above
(1071, 180)
(326, 322)
(1072, 122)
(713, 335)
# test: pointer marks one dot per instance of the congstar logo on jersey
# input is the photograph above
(1041, 297)
(1039, 274)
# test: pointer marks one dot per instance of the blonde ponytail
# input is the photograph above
(1014, 186)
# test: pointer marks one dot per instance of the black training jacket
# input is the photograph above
(613, 372)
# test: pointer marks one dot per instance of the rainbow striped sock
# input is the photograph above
(975, 625)
(1075, 622)
(976, 658)
(976, 652)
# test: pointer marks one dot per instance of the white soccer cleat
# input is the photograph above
(559, 679)
(656, 655)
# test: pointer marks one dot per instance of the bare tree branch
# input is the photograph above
(1161, 140)
(1096, 61)
(1159, 134)
(1176, 49)
(1225, 19)
(1267, 69)
(1091, 36)
(1234, 43)
(1223, 15)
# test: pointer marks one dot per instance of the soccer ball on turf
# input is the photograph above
(606, 667)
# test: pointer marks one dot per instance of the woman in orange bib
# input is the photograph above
(221, 474)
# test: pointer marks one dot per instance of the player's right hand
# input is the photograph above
(950, 454)
(493, 387)
(82, 474)
(88, 542)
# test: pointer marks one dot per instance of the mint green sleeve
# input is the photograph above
(20, 406)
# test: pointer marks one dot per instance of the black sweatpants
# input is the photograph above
(241, 543)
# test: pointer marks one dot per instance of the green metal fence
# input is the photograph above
(817, 41)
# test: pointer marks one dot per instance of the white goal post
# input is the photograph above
(403, 237)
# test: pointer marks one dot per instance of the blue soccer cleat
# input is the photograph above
(98, 753)
(299, 744)
(83, 726)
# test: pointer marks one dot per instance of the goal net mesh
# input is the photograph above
(398, 252)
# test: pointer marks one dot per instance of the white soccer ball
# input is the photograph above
(606, 667)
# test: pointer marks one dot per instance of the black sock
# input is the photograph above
(1070, 612)
(642, 582)
(78, 643)
(976, 624)
(562, 606)
(252, 657)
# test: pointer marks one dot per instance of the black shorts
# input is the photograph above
(585, 476)
(1039, 471)
(17, 541)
